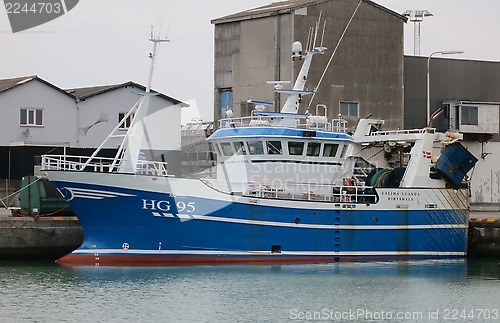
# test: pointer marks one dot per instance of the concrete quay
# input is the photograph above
(484, 234)
(55, 236)
(51, 237)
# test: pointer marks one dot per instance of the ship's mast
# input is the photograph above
(129, 150)
(295, 94)
(131, 145)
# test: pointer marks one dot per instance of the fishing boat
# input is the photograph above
(290, 188)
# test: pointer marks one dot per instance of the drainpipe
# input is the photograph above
(277, 68)
(77, 101)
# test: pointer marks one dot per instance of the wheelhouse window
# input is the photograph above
(295, 148)
(128, 122)
(31, 117)
(226, 148)
(330, 150)
(313, 149)
(216, 148)
(255, 147)
(239, 147)
(344, 150)
(349, 109)
(274, 148)
(469, 116)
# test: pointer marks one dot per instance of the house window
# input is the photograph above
(225, 102)
(128, 122)
(31, 117)
(349, 109)
(469, 116)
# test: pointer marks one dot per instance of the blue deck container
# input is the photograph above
(455, 162)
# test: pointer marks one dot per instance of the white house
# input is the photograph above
(37, 117)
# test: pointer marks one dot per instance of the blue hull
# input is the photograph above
(139, 227)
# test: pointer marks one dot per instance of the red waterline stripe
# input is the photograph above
(144, 261)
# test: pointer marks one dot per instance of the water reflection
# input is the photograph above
(457, 269)
(241, 293)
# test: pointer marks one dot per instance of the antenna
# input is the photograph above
(323, 35)
(156, 41)
(316, 31)
(309, 37)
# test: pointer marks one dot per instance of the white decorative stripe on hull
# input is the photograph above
(93, 194)
(309, 226)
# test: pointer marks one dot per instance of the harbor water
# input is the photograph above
(397, 291)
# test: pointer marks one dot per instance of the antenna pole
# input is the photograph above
(323, 35)
(156, 41)
(316, 32)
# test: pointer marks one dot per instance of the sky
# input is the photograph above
(103, 42)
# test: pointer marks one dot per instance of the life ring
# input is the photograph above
(345, 198)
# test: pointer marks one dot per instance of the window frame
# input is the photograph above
(270, 146)
(330, 154)
(296, 142)
(126, 125)
(226, 153)
(344, 150)
(318, 151)
(250, 145)
(350, 106)
(36, 114)
(465, 110)
(241, 150)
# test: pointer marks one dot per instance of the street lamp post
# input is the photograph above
(448, 52)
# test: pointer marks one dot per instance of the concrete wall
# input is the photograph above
(485, 180)
(247, 55)
(29, 238)
(367, 68)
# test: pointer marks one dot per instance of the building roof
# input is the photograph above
(80, 93)
(285, 7)
(7, 84)
(88, 92)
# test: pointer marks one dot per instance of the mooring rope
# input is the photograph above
(19, 190)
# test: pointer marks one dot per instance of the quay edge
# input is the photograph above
(38, 238)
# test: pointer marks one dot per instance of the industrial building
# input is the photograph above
(369, 76)
(366, 74)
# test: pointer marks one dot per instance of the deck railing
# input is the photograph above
(298, 191)
(100, 165)
(311, 122)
